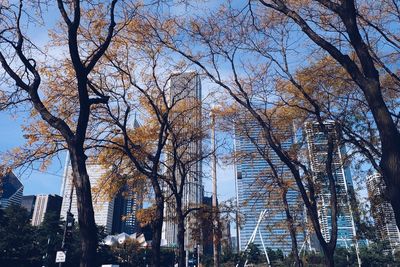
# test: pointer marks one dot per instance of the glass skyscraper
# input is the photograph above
(11, 190)
(257, 192)
(185, 92)
(117, 214)
(126, 204)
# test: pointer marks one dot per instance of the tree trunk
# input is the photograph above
(292, 230)
(181, 243)
(390, 141)
(390, 164)
(328, 251)
(329, 260)
(181, 233)
(157, 228)
(87, 225)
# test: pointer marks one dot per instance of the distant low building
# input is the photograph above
(28, 202)
(11, 190)
(45, 204)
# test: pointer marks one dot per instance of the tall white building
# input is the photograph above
(185, 89)
(103, 208)
(317, 144)
(382, 212)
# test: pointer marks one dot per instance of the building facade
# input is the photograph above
(11, 190)
(258, 197)
(126, 204)
(103, 207)
(185, 92)
(317, 148)
(43, 205)
(382, 212)
(28, 202)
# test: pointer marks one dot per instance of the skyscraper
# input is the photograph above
(103, 207)
(382, 212)
(126, 204)
(185, 88)
(44, 204)
(11, 190)
(317, 143)
(258, 200)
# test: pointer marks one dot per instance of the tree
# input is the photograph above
(363, 38)
(134, 153)
(49, 237)
(17, 244)
(253, 254)
(26, 77)
(377, 254)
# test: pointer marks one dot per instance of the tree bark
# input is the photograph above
(390, 165)
(390, 141)
(329, 260)
(157, 224)
(181, 233)
(292, 230)
(87, 226)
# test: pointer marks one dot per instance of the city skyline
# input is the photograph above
(316, 82)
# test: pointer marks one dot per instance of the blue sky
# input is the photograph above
(35, 182)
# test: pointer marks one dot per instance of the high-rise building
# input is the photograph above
(317, 147)
(185, 90)
(382, 212)
(103, 207)
(206, 233)
(258, 200)
(11, 190)
(28, 202)
(45, 204)
(126, 204)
